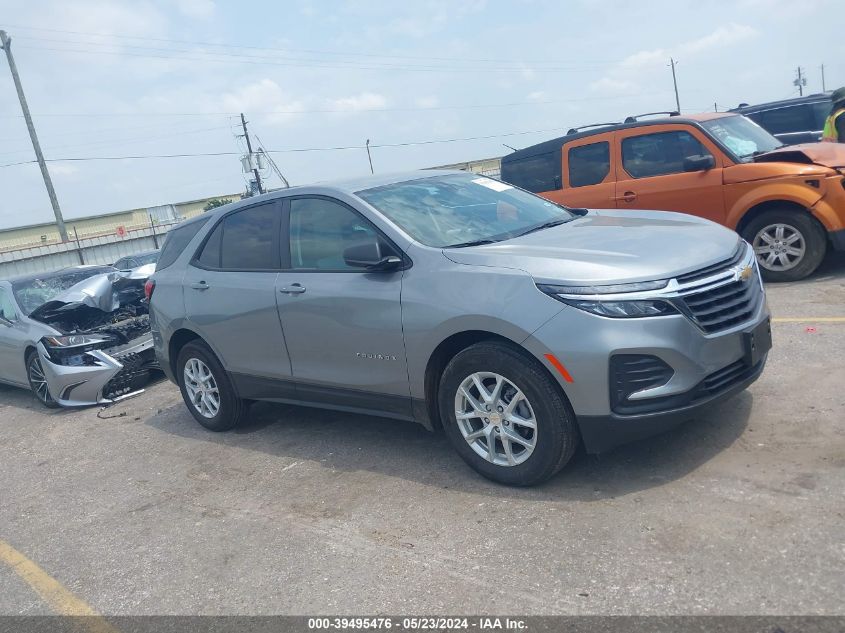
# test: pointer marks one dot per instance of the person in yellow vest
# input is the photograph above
(834, 127)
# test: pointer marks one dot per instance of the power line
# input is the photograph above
(291, 150)
(286, 50)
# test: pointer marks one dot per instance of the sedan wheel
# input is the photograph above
(38, 381)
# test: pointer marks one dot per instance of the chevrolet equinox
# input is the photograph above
(518, 326)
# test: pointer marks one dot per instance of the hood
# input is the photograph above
(604, 247)
(104, 293)
(825, 154)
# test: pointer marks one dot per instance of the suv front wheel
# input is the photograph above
(789, 245)
(207, 389)
(505, 415)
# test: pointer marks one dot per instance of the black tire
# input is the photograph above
(556, 430)
(41, 391)
(812, 233)
(232, 410)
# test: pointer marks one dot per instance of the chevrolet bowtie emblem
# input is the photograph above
(744, 274)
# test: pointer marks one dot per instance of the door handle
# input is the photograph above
(628, 196)
(200, 285)
(293, 289)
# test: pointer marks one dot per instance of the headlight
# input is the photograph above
(615, 308)
(76, 341)
(624, 309)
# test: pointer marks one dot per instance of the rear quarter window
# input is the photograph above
(177, 240)
(537, 173)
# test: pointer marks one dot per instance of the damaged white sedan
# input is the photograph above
(76, 337)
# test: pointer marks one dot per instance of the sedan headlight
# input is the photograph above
(615, 307)
(77, 341)
(71, 350)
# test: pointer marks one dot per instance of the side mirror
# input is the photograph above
(371, 255)
(699, 162)
(5, 321)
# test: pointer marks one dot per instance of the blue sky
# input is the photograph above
(121, 78)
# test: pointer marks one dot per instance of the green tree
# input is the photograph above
(215, 202)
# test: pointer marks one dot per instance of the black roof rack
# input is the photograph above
(636, 117)
(575, 130)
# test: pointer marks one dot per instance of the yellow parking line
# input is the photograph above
(61, 601)
(808, 319)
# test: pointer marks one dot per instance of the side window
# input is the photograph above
(589, 164)
(250, 239)
(120, 264)
(533, 173)
(785, 120)
(320, 230)
(176, 241)
(7, 310)
(659, 154)
(210, 256)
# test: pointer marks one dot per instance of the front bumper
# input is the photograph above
(112, 374)
(705, 368)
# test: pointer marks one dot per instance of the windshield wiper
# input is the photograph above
(480, 242)
(545, 225)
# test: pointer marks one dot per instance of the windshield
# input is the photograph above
(32, 293)
(461, 209)
(742, 136)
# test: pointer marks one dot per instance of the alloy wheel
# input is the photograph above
(202, 388)
(38, 380)
(779, 247)
(496, 419)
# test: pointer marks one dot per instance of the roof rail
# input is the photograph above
(575, 130)
(636, 117)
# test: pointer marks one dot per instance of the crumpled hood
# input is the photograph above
(825, 154)
(604, 247)
(106, 292)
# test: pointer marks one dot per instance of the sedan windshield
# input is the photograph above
(149, 258)
(34, 292)
(742, 136)
(463, 209)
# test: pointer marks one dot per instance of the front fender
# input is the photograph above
(748, 195)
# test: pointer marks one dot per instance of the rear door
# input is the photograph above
(230, 299)
(343, 325)
(589, 174)
(13, 340)
(652, 171)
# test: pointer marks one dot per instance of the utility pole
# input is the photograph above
(370, 157)
(824, 89)
(6, 42)
(249, 149)
(672, 63)
(800, 81)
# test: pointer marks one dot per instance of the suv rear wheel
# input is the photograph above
(207, 389)
(789, 245)
(505, 416)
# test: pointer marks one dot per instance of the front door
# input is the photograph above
(654, 171)
(230, 299)
(343, 325)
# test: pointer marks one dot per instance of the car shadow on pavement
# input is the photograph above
(348, 443)
(22, 399)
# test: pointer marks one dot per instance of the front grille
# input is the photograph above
(724, 306)
(715, 269)
(133, 376)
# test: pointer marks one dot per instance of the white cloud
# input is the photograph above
(357, 103)
(427, 102)
(609, 86)
(63, 170)
(197, 9)
(265, 98)
(722, 36)
(644, 58)
(537, 95)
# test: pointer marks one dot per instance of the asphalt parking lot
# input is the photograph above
(138, 510)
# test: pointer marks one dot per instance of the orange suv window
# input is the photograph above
(589, 164)
(659, 154)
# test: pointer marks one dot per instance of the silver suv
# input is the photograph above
(518, 326)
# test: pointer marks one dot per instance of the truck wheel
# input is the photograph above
(207, 390)
(789, 245)
(505, 416)
(38, 381)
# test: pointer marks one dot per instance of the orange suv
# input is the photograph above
(787, 202)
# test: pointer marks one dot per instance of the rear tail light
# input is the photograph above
(149, 286)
